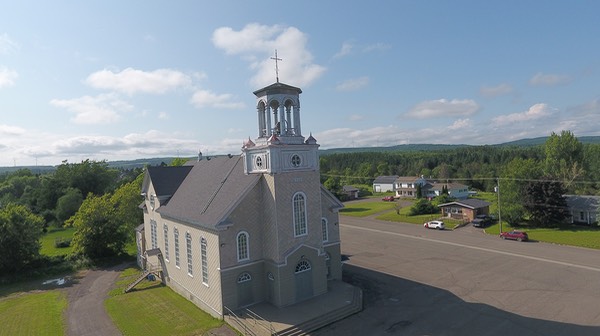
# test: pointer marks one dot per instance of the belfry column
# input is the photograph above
(261, 120)
(297, 120)
(268, 117)
(283, 128)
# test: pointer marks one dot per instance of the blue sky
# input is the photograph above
(111, 80)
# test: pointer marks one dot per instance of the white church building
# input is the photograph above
(231, 231)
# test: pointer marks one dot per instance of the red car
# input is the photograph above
(515, 235)
(388, 199)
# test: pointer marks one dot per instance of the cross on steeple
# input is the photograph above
(276, 65)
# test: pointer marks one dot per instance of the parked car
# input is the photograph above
(481, 221)
(515, 235)
(435, 224)
(388, 199)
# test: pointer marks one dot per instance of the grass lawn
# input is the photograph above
(364, 209)
(51, 236)
(33, 313)
(154, 309)
(419, 219)
(574, 236)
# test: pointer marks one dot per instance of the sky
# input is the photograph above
(121, 80)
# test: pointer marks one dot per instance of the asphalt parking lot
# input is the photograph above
(464, 282)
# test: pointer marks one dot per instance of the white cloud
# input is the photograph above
(494, 91)
(7, 46)
(356, 117)
(256, 43)
(131, 81)
(11, 130)
(461, 124)
(541, 79)
(535, 112)
(163, 115)
(377, 47)
(204, 98)
(443, 108)
(102, 109)
(345, 50)
(353, 84)
(7, 77)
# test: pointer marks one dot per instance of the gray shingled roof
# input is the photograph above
(210, 191)
(471, 203)
(589, 203)
(166, 180)
(386, 179)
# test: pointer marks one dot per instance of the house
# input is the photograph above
(466, 209)
(231, 231)
(583, 209)
(350, 192)
(456, 190)
(384, 183)
(406, 186)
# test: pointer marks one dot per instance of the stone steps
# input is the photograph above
(326, 319)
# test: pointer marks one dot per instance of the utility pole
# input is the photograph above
(498, 192)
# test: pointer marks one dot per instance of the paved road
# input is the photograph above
(86, 315)
(464, 282)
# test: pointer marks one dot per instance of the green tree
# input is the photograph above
(546, 204)
(422, 207)
(564, 157)
(178, 161)
(99, 232)
(126, 200)
(20, 232)
(68, 204)
(419, 191)
(515, 176)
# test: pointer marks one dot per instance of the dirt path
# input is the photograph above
(86, 314)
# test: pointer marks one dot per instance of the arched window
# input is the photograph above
(176, 239)
(244, 277)
(299, 207)
(324, 229)
(188, 247)
(204, 260)
(166, 237)
(153, 234)
(302, 266)
(243, 248)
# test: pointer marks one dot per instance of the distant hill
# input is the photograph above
(436, 147)
(137, 163)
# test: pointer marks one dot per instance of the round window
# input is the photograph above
(296, 161)
(259, 162)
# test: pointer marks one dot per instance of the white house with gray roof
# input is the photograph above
(232, 231)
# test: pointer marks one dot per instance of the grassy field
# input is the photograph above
(154, 309)
(574, 236)
(33, 313)
(49, 238)
(364, 209)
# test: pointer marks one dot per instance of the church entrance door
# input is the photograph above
(304, 281)
(244, 290)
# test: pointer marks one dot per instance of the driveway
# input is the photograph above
(86, 315)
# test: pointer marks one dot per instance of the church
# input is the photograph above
(227, 232)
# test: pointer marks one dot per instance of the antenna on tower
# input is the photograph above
(276, 65)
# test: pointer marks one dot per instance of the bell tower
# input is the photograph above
(280, 146)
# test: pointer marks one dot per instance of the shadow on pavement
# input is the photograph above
(396, 306)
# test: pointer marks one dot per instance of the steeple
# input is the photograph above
(278, 108)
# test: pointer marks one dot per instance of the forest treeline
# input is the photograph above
(476, 166)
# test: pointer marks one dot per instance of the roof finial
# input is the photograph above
(276, 65)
